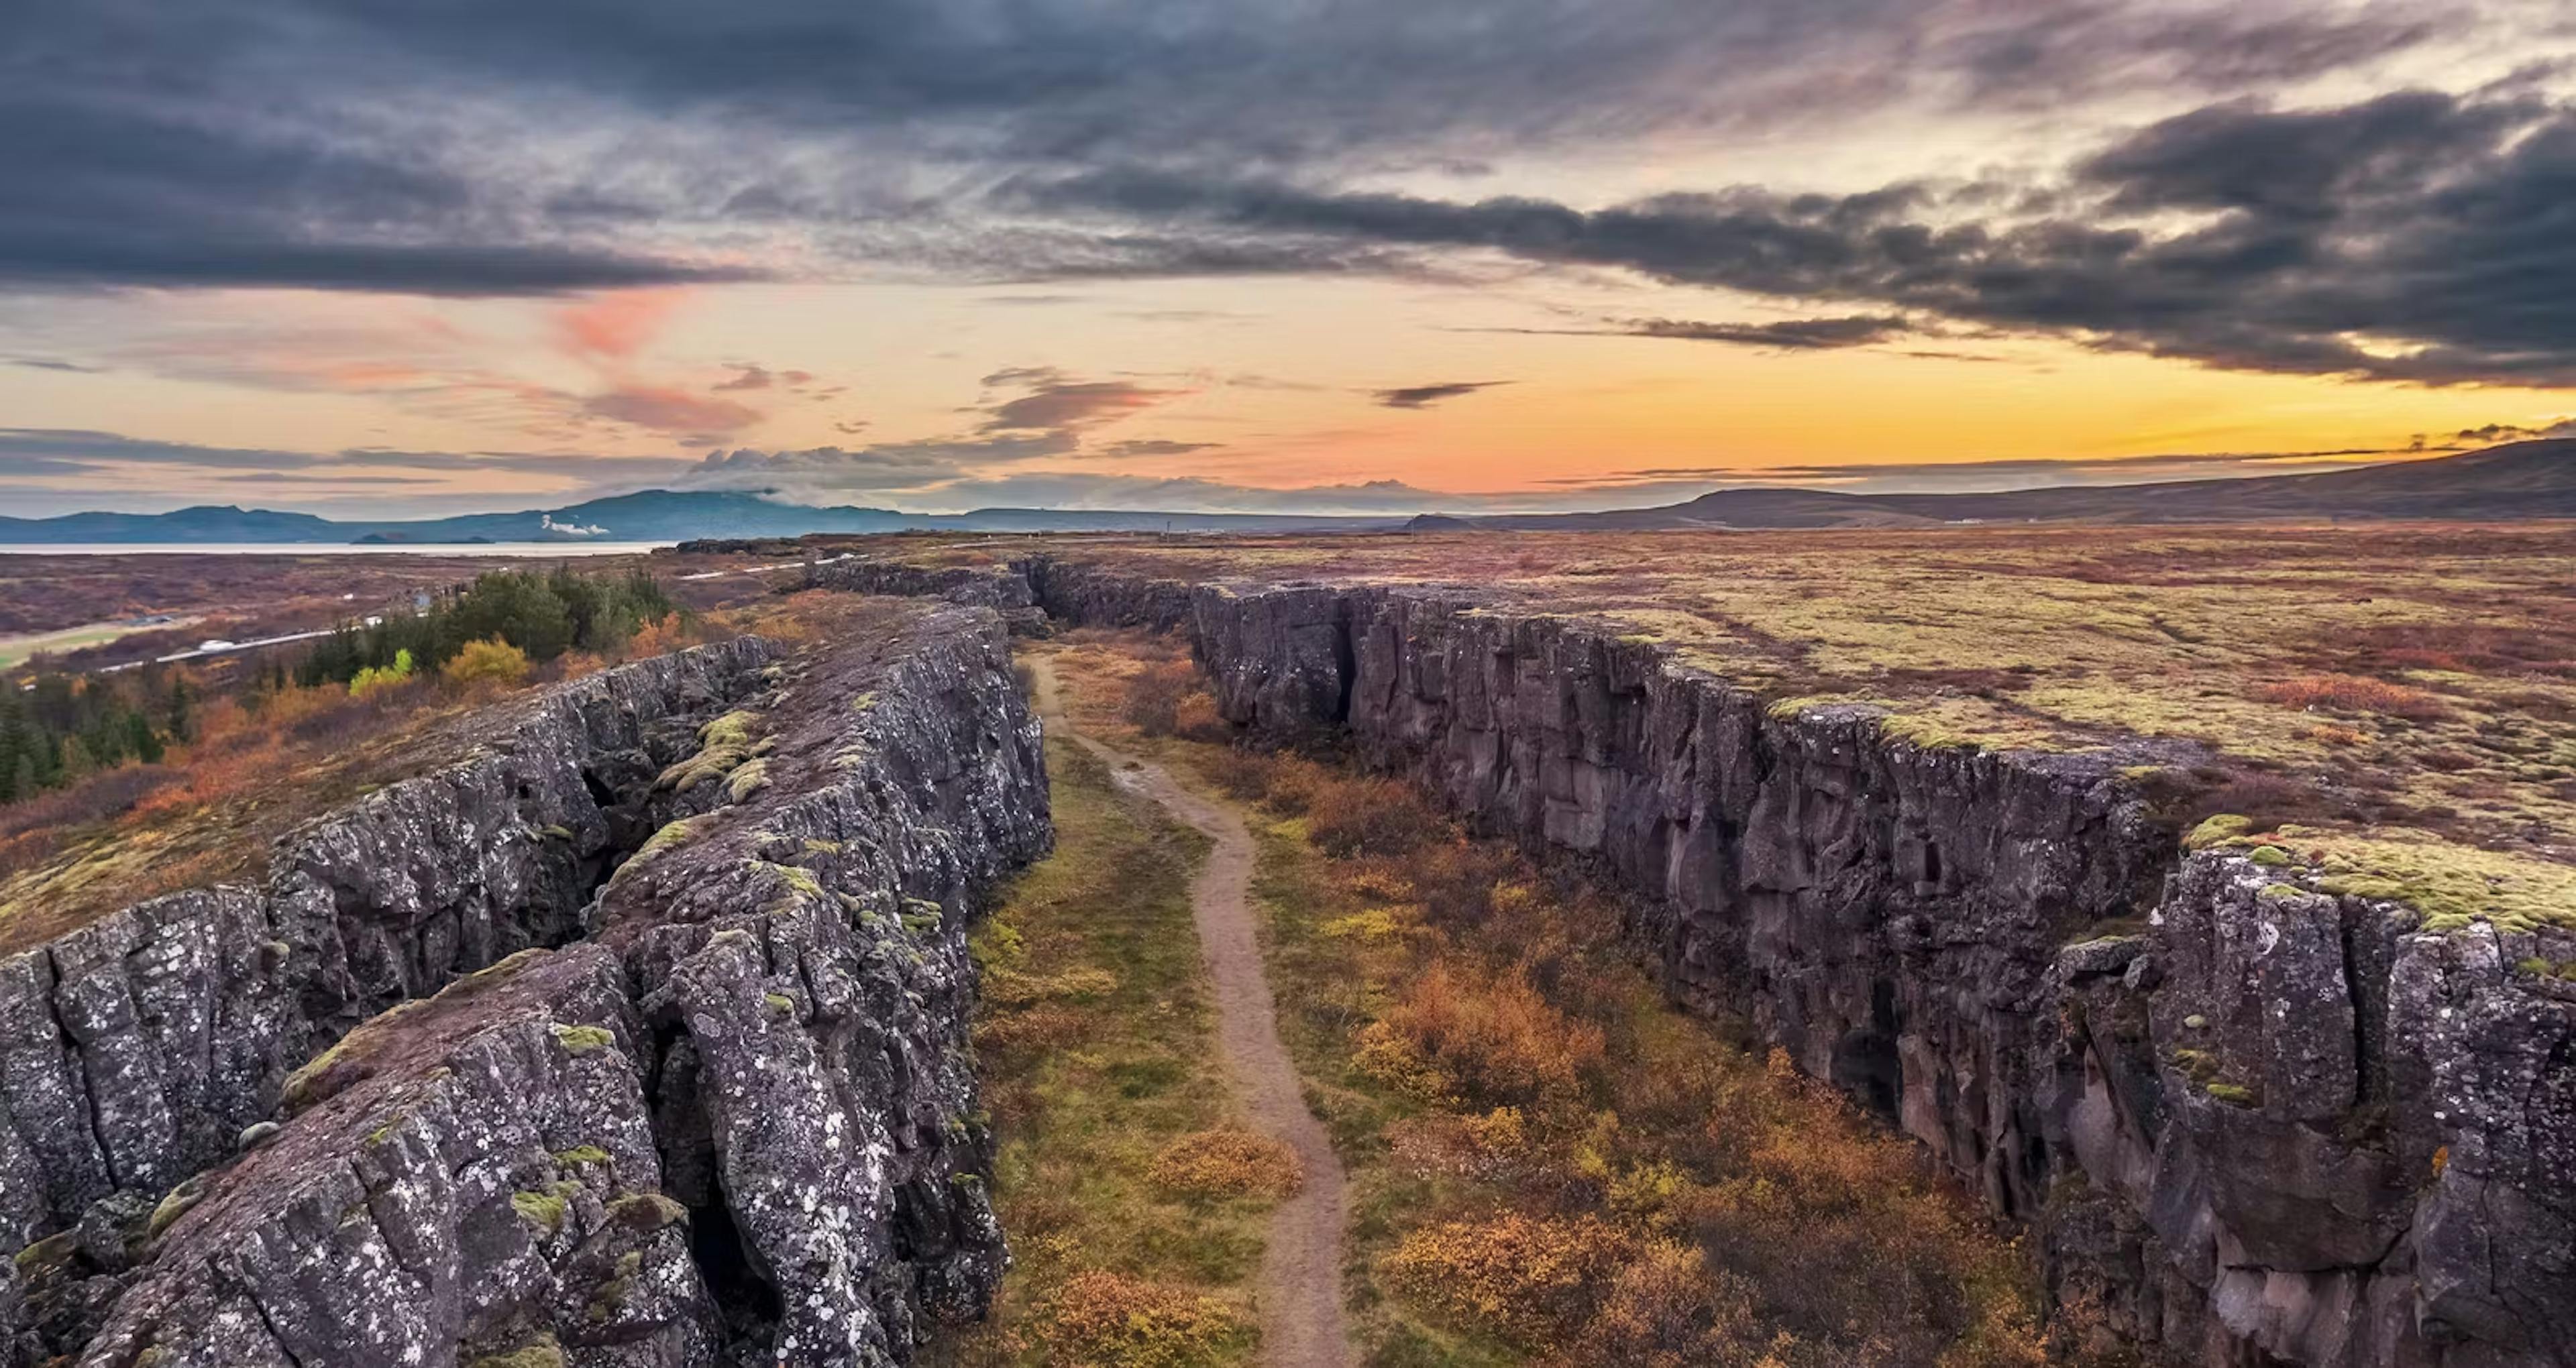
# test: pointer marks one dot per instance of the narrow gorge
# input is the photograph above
(638, 1036)
(2246, 1121)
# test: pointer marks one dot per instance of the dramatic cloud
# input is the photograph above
(1056, 402)
(2419, 236)
(1424, 396)
(669, 410)
(485, 147)
(1791, 334)
(1050, 414)
(615, 326)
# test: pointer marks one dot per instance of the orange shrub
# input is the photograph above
(1665, 1309)
(1372, 815)
(657, 638)
(1495, 1042)
(1532, 1279)
(2354, 693)
(1228, 1163)
(495, 662)
(1116, 1321)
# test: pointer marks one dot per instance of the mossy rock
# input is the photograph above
(546, 1209)
(2217, 831)
(541, 1352)
(180, 1201)
(582, 1040)
(750, 778)
(646, 1211)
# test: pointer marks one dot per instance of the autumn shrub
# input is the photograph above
(659, 636)
(1154, 694)
(1532, 1279)
(1372, 815)
(492, 661)
(1491, 1041)
(1228, 1163)
(2355, 694)
(1494, 1147)
(108, 793)
(1113, 1321)
(1666, 1308)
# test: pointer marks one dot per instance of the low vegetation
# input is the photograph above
(1549, 1163)
(118, 787)
(1135, 1206)
(2410, 679)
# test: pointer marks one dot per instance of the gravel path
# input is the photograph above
(1300, 1291)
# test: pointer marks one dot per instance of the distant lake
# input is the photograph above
(530, 549)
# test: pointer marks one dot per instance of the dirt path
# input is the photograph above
(1301, 1270)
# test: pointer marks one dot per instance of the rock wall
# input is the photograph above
(2249, 1123)
(736, 1123)
(134, 1050)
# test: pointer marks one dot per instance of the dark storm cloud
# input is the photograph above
(1424, 396)
(501, 147)
(1788, 334)
(2418, 237)
(133, 193)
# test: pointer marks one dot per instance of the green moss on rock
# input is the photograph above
(582, 1040)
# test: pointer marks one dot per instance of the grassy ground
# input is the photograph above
(1096, 1040)
(1548, 1163)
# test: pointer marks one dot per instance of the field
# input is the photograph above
(2399, 696)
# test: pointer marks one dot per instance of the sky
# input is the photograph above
(374, 258)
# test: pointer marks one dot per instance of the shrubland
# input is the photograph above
(118, 786)
(1549, 1162)
(2410, 680)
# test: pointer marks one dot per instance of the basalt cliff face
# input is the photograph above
(2247, 1122)
(638, 1038)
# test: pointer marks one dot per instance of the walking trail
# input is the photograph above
(1300, 1290)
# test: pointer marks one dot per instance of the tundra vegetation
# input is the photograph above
(117, 787)
(2404, 695)
(1549, 1163)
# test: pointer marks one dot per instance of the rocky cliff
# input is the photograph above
(2248, 1122)
(733, 1120)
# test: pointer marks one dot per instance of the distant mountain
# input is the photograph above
(654, 515)
(203, 524)
(2519, 481)
(2507, 483)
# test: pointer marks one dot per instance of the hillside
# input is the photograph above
(2523, 480)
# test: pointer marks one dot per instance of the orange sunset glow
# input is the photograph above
(1315, 260)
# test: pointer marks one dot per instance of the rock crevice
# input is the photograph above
(2248, 1122)
(733, 1121)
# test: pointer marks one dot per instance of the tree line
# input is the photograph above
(59, 728)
